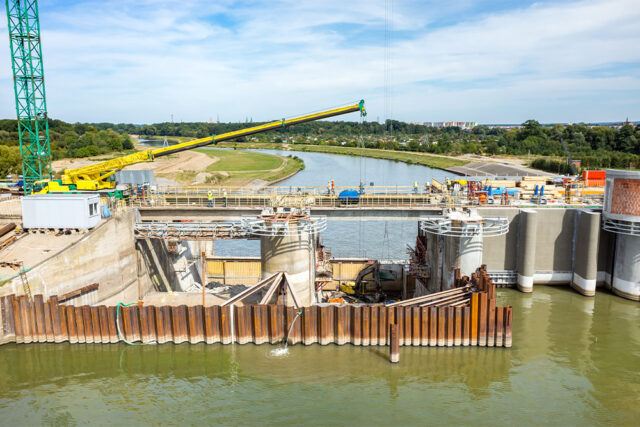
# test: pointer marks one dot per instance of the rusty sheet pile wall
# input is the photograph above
(480, 323)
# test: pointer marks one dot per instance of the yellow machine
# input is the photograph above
(98, 176)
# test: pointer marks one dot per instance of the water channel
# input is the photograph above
(365, 238)
(574, 362)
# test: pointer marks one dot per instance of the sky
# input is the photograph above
(503, 61)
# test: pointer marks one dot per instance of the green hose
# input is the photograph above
(120, 334)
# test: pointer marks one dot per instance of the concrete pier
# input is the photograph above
(527, 249)
(585, 252)
(626, 269)
(293, 254)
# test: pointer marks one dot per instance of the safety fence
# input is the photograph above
(480, 323)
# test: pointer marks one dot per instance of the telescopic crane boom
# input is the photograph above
(97, 176)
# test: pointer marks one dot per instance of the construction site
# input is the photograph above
(91, 256)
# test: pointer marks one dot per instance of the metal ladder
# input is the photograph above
(25, 282)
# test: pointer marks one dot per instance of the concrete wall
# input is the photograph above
(564, 242)
(499, 252)
(107, 255)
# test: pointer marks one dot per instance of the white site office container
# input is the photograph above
(61, 211)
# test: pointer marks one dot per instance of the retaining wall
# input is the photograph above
(479, 324)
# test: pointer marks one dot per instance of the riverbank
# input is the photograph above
(409, 157)
(239, 167)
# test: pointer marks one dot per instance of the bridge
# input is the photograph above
(376, 203)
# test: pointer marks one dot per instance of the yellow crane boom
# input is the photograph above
(96, 176)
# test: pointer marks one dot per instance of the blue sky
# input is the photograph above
(488, 61)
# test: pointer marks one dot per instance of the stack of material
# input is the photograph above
(7, 234)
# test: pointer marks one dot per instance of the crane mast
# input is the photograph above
(96, 177)
(28, 84)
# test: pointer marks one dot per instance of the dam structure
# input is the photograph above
(147, 271)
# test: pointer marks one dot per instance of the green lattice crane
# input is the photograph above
(28, 84)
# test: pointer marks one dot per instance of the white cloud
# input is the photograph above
(142, 61)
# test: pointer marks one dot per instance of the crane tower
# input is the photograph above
(28, 83)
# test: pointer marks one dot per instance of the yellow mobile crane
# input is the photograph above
(98, 176)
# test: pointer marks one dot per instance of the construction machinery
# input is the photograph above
(23, 22)
(99, 176)
(33, 127)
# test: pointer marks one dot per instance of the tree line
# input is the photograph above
(67, 140)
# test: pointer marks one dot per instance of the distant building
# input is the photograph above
(461, 125)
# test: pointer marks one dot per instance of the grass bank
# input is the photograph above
(239, 167)
(423, 159)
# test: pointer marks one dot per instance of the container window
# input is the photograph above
(93, 209)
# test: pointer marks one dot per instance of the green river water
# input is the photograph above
(575, 361)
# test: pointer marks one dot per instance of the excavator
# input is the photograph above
(100, 176)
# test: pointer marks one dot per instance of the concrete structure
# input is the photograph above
(622, 217)
(61, 211)
(106, 255)
(456, 243)
(527, 249)
(585, 252)
(293, 254)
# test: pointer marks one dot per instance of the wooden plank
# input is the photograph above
(260, 324)
(491, 322)
(64, 329)
(160, 321)
(243, 324)
(135, 323)
(103, 319)
(56, 323)
(416, 324)
(310, 320)
(276, 323)
(399, 320)
(499, 340)
(152, 336)
(24, 319)
(328, 325)
(199, 331)
(508, 319)
(365, 329)
(356, 325)
(38, 303)
(433, 326)
(482, 320)
(167, 323)
(408, 326)
(450, 326)
(48, 323)
(442, 320)
(212, 324)
(225, 325)
(76, 293)
(175, 325)
(80, 324)
(72, 325)
(391, 320)
(88, 326)
(144, 324)
(95, 325)
(343, 328)
(17, 320)
(375, 314)
(31, 313)
(382, 325)
(457, 329)
(466, 326)
(474, 319)
(424, 326)
(113, 326)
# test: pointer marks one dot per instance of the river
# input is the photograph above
(362, 238)
(574, 362)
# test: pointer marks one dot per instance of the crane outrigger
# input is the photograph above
(99, 176)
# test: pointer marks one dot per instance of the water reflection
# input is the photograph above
(574, 361)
